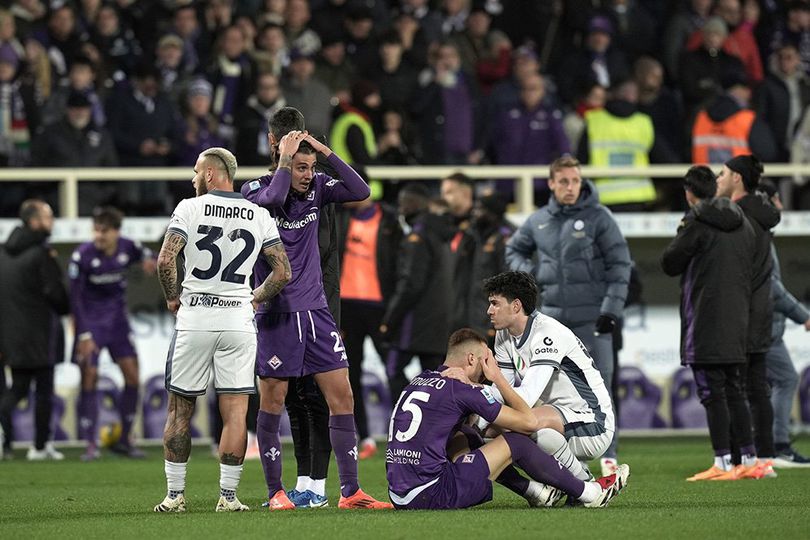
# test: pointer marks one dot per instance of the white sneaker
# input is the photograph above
(178, 504)
(611, 486)
(49, 452)
(223, 505)
(541, 495)
(609, 466)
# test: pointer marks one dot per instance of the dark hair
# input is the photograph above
(29, 209)
(417, 189)
(108, 216)
(700, 180)
(285, 120)
(514, 286)
(305, 148)
(462, 336)
(563, 162)
(461, 178)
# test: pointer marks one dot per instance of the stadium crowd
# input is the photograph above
(152, 83)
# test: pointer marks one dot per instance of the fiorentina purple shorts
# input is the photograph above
(298, 343)
(462, 484)
(114, 335)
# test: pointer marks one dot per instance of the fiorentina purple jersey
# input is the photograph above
(98, 282)
(428, 412)
(297, 216)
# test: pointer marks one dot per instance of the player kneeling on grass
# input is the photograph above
(221, 235)
(552, 372)
(424, 471)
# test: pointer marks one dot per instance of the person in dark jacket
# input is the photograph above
(713, 253)
(458, 192)
(783, 98)
(782, 374)
(489, 232)
(738, 181)
(76, 141)
(583, 265)
(32, 297)
(370, 236)
(252, 144)
(417, 318)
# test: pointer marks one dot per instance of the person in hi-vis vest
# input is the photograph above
(620, 136)
(727, 128)
(352, 136)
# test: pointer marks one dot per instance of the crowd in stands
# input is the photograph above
(151, 83)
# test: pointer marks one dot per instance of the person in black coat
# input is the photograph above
(739, 180)
(489, 231)
(417, 318)
(713, 253)
(32, 297)
(369, 239)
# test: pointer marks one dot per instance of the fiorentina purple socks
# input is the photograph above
(127, 408)
(270, 449)
(343, 435)
(541, 466)
(88, 415)
(509, 478)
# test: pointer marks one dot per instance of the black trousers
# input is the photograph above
(396, 363)
(720, 389)
(20, 385)
(309, 425)
(758, 391)
(360, 319)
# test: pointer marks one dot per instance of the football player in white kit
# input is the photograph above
(552, 371)
(221, 235)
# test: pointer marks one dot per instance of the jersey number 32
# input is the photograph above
(208, 243)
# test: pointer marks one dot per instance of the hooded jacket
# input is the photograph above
(763, 216)
(583, 263)
(32, 295)
(785, 305)
(713, 253)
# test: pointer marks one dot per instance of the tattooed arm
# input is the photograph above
(167, 269)
(281, 274)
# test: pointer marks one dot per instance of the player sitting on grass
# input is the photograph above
(424, 471)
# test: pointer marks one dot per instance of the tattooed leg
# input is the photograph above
(233, 442)
(177, 434)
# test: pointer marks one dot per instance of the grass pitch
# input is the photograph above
(114, 498)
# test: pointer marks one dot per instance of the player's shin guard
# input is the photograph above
(88, 415)
(553, 443)
(267, 426)
(126, 408)
(541, 466)
(343, 435)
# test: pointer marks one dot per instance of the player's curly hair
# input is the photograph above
(513, 286)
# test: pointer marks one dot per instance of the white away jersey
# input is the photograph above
(575, 388)
(224, 236)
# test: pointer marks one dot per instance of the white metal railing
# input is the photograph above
(524, 174)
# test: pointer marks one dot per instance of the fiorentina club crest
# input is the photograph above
(273, 453)
(274, 362)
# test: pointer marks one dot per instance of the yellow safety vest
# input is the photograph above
(621, 142)
(337, 141)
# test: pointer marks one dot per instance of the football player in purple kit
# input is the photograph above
(297, 333)
(433, 464)
(98, 285)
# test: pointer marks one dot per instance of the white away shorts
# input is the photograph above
(194, 355)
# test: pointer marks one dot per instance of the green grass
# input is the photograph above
(114, 498)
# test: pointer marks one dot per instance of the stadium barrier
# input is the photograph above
(523, 174)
